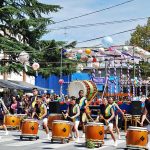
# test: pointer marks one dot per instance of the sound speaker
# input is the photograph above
(136, 108)
(54, 107)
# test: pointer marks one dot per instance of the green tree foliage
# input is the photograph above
(22, 25)
(141, 36)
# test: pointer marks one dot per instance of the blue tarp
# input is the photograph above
(52, 82)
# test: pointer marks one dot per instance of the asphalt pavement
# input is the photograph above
(13, 142)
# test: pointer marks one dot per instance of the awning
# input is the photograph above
(11, 85)
(28, 85)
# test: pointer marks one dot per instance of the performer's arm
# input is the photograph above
(144, 116)
(97, 119)
(34, 113)
(5, 110)
(116, 105)
(67, 113)
(112, 115)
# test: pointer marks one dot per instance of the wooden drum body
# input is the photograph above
(61, 129)
(87, 86)
(94, 131)
(12, 121)
(29, 127)
(137, 137)
(53, 117)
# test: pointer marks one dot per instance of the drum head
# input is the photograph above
(136, 128)
(75, 87)
(60, 121)
(94, 124)
(9, 115)
(55, 114)
(21, 114)
(29, 120)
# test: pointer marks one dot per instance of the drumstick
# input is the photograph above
(147, 120)
(4, 105)
(64, 115)
(73, 119)
(104, 120)
(90, 117)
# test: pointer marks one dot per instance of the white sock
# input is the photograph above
(48, 136)
(6, 132)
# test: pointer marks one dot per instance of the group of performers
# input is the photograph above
(75, 113)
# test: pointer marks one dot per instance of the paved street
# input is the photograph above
(13, 142)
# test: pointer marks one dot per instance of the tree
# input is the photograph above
(22, 25)
(141, 36)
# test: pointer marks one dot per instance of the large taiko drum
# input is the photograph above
(29, 127)
(53, 117)
(137, 137)
(12, 121)
(94, 131)
(87, 86)
(61, 129)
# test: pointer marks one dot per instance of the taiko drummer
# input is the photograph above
(3, 111)
(106, 116)
(73, 114)
(82, 103)
(146, 113)
(40, 113)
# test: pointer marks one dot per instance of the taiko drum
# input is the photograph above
(94, 131)
(61, 129)
(53, 117)
(137, 137)
(89, 88)
(12, 120)
(29, 127)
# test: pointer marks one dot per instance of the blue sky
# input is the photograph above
(72, 8)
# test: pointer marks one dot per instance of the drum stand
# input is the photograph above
(96, 142)
(136, 148)
(30, 137)
(62, 139)
(13, 127)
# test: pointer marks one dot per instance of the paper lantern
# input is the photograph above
(69, 50)
(96, 65)
(84, 58)
(111, 48)
(99, 72)
(90, 59)
(61, 81)
(80, 51)
(94, 59)
(107, 42)
(64, 51)
(78, 56)
(102, 50)
(125, 48)
(1, 55)
(88, 51)
(23, 57)
(79, 67)
(35, 66)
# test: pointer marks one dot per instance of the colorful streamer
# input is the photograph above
(115, 79)
(109, 84)
(128, 78)
(140, 81)
(121, 78)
